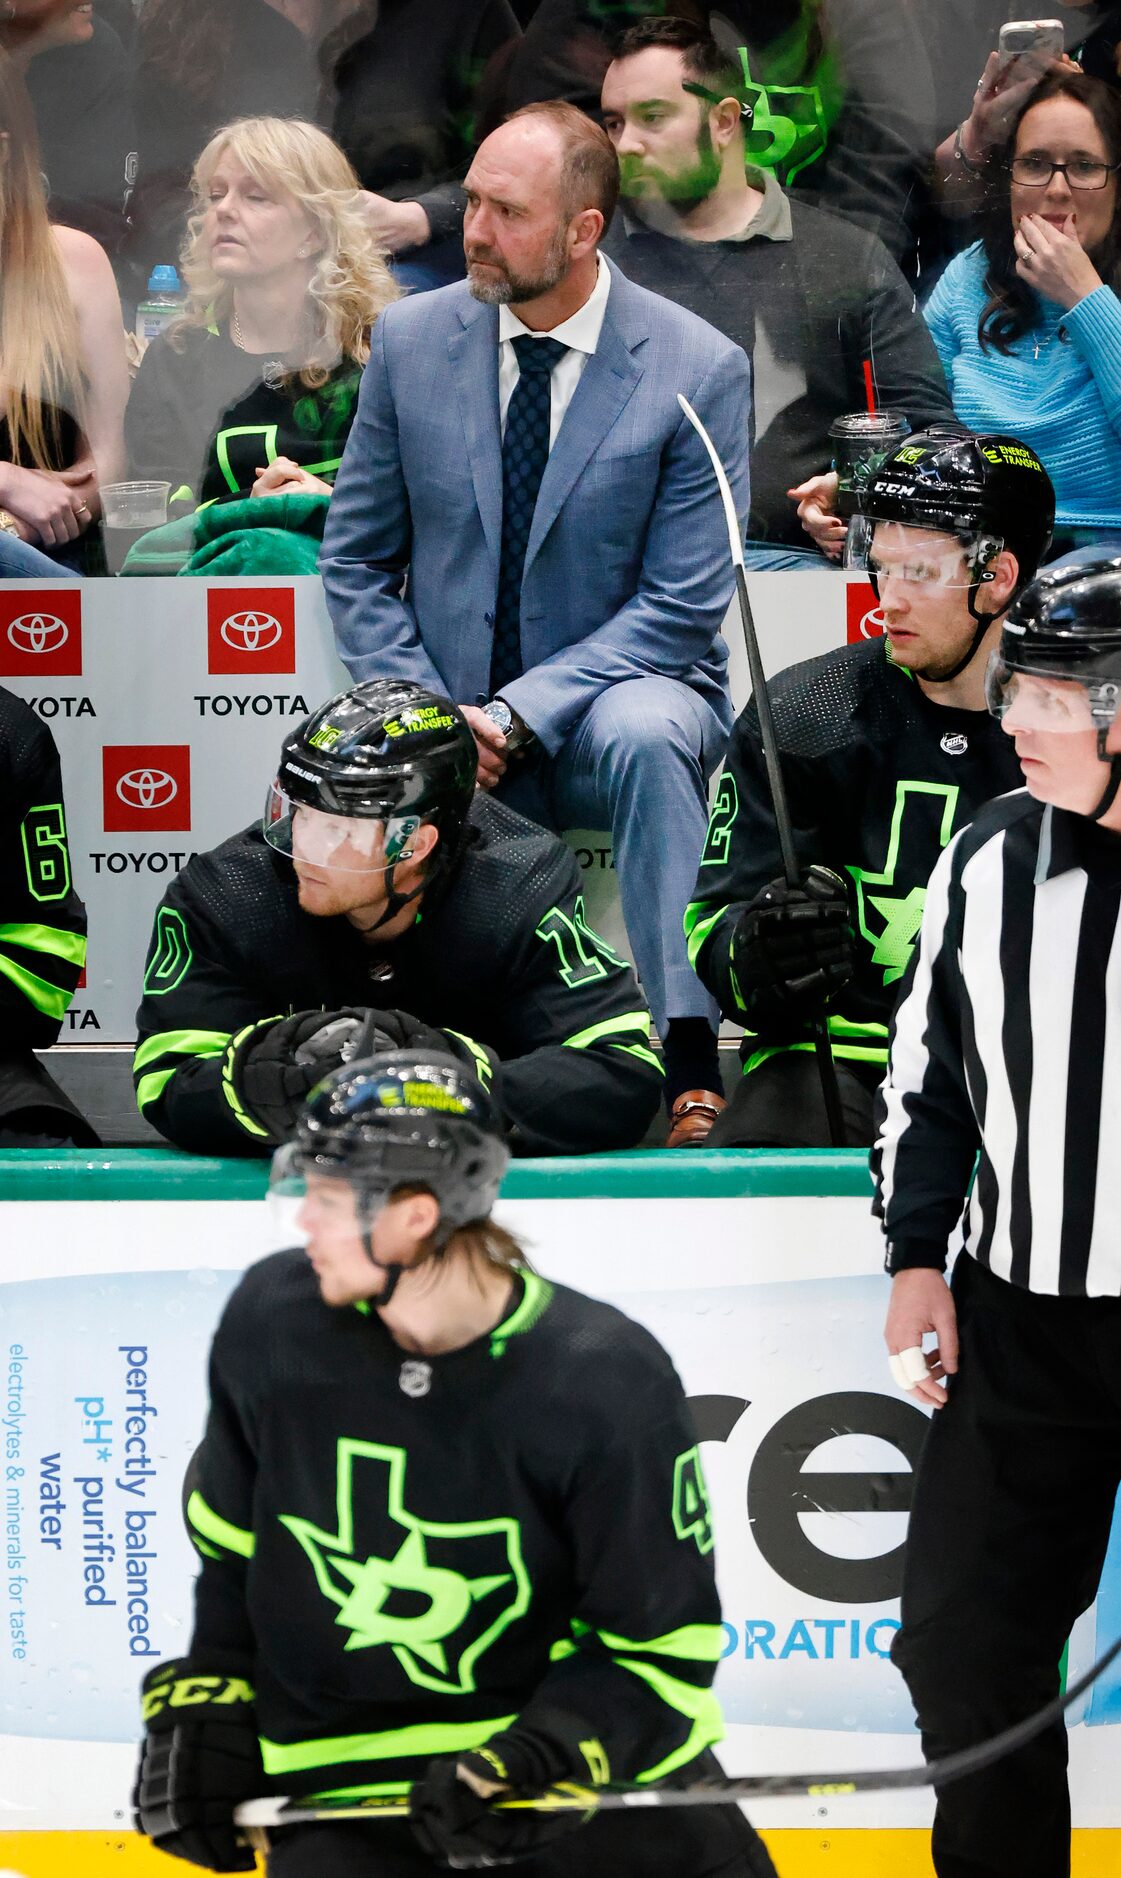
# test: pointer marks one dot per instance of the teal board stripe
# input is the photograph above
(646, 1174)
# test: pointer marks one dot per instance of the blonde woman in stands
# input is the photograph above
(63, 378)
(253, 391)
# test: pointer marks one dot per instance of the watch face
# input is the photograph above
(501, 715)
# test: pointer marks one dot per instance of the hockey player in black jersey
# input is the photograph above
(454, 1532)
(886, 750)
(376, 882)
(42, 933)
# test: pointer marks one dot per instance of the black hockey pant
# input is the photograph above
(1008, 1532)
(780, 1105)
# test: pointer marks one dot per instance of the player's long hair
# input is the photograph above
(350, 283)
(40, 351)
(482, 1241)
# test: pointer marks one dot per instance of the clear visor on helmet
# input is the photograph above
(312, 1203)
(1049, 701)
(354, 844)
(896, 552)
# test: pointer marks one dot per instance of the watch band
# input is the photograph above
(967, 163)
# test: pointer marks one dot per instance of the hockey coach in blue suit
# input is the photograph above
(525, 521)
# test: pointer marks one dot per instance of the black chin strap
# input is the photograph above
(1109, 795)
(395, 902)
(984, 621)
(392, 1272)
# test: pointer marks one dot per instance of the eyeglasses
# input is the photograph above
(1035, 172)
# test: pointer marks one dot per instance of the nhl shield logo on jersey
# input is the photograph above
(437, 1595)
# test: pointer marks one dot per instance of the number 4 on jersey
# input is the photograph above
(692, 1514)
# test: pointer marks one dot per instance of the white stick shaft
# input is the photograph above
(735, 540)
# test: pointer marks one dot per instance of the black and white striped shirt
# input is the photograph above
(1006, 1053)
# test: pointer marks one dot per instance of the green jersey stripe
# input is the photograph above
(150, 1088)
(425, 1738)
(698, 925)
(610, 1027)
(221, 1532)
(693, 1643)
(52, 1000)
(179, 1043)
(54, 940)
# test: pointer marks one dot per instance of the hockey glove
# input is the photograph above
(270, 1067)
(458, 1827)
(793, 949)
(198, 1760)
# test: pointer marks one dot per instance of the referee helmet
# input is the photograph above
(1066, 625)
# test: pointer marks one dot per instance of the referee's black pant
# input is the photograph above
(1008, 1532)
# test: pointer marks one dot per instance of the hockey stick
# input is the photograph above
(827, 1069)
(559, 1799)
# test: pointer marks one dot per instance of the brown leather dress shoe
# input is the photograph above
(692, 1116)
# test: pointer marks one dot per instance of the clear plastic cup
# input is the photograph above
(861, 440)
(129, 510)
(134, 505)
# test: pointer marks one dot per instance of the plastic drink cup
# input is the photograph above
(129, 510)
(861, 440)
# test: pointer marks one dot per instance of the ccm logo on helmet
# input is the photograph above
(251, 629)
(146, 787)
(40, 634)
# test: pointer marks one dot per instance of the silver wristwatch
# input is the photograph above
(517, 734)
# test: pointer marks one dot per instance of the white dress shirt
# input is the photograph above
(580, 333)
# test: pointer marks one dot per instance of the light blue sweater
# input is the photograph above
(1065, 403)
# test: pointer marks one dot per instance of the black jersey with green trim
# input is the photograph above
(878, 779)
(42, 920)
(500, 954)
(410, 1556)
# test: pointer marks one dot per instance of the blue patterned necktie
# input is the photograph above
(525, 452)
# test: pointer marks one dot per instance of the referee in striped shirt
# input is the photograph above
(1001, 1110)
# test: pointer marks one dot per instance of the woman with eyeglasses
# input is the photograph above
(1027, 322)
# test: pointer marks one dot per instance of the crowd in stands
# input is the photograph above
(431, 278)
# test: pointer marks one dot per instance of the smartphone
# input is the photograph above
(1018, 36)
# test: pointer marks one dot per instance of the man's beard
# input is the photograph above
(509, 289)
(683, 189)
(937, 670)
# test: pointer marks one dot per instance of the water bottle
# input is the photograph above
(162, 304)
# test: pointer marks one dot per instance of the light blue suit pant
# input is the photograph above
(638, 763)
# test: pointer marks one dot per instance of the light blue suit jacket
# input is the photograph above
(627, 572)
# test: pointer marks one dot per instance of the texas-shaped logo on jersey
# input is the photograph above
(889, 911)
(436, 1593)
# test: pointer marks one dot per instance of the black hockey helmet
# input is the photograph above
(386, 749)
(401, 1119)
(948, 479)
(389, 753)
(1067, 624)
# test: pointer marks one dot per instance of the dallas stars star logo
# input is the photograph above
(437, 1594)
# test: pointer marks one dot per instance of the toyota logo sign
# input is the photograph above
(251, 631)
(147, 789)
(38, 633)
(41, 632)
(864, 612)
